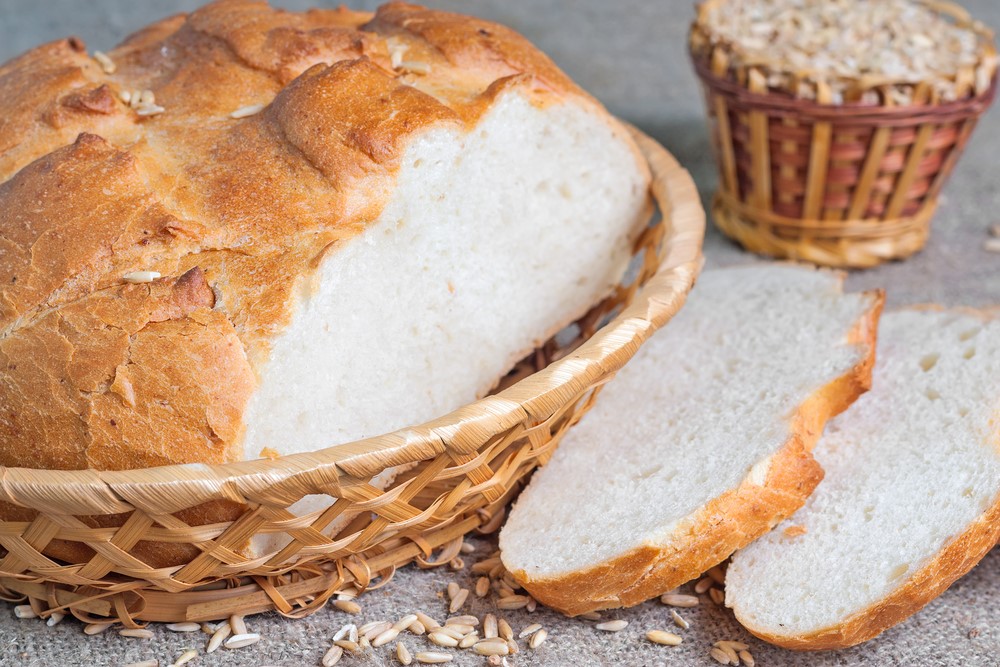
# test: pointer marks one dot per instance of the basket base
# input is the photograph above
(842, 244)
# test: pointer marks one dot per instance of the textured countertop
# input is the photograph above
(631, 55)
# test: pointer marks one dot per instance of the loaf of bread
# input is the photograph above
(700, 445)
(911, 498)
(248, 229)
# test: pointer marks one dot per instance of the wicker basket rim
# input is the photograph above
(953, 10)
(782, 102)
(167, 489)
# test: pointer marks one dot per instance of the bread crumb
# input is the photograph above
(268, 453)
(795, 531)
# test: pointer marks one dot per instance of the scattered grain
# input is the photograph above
(490, 626)
(405, 622)
(238, 625)
(372, 630)
(219, 636)
(512, 647)
(530, 630)
(54, 619)
(428, 622)
(417, 628)
(591, 616)
(451, 631)
(107, 64)
(467, 547)
(675, 600)
(482, 587)
(679, 620)
(504, 629)
(456, 563)
(537, 639)
(747, 658)
(24, 611)
(702, 586)
(458, 600)
(612, 626)
(333, 656)
(136, 633)
(433, 657)
(185, 657)
(442, 639)
(992, 245)
(96, 628)
(717, 596)
(346, 631)
(453, 589)
(485, 566)
(663, 637)
(717, 574)
(462, 630)
(403, 654)
(512, 602)
(468, 640)
(183, 627)
(239, 641)
(492, 647)
(385, 637)
(347, 606)
(348, 645)
(719, 656)
(465, 619)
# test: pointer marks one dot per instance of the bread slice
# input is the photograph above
(911, 498)
(701, 444)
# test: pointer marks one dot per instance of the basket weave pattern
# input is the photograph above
(849, 185)
(462, 471)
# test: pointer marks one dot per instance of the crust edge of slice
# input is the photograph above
(952, 562)
(730, 521)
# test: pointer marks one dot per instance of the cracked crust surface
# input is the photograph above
(235, 213)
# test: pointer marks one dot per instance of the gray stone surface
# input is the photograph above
(631, 55)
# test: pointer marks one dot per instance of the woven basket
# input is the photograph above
(463, 469)
(846, 185)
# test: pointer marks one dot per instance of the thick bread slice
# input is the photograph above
(911, 498)
(700, 445)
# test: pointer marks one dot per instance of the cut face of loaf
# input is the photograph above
(911, 497)
(699, 445)
(361, 222)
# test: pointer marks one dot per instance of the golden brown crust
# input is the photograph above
(96, 373)
(728, 522)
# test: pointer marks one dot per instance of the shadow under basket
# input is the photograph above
(460, 471)
(850, 185)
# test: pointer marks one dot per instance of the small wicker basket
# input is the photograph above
(846, 185)
(464, 468)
